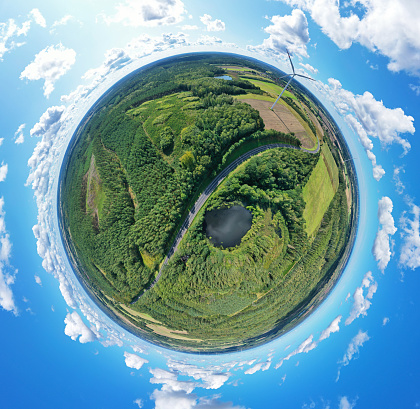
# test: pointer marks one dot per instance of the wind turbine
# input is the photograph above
(293, 75)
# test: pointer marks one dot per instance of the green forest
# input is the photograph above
(135, 168)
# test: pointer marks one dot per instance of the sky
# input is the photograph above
(359, 349)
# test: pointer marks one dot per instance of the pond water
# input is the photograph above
(224, 77)
(226, 227)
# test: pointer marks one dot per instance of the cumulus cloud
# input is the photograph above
(75, 327)
(168, 398)
(361, 301)
(134, 361)
(309, 68)
(211, 378)
(388, 27)
(49, 121)
(333, 327)
(3, 171)
(385, 321)
(10, 31)
(148, 13)
(344, 403)
(212, 25)
(19, 136)
(382, 245)
(353, 349)
(7, 273)
(49, 65)
(288, 32)
(38, 280)
(410, 249)
(369, 118)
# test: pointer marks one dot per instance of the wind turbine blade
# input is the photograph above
(304, 76)
(287, 75)
(290, 59)
(284, 89)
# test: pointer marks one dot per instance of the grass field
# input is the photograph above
(331, 166)
(255, 96)
(271, 88)
(317, 193)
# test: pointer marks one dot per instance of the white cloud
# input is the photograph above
(49, 121)
(212, 25)
(399, 185)
(410, 250)
(139, 403)
(382, 247)
(75, 327)
(304, 347)
(415, 88)
(385, 321)
(210, 378)
(38, 280)
(353, 349)
(7, 274)
(3, 171)
(168, 398)
(309, 68)
(116, 57)
(10, 31)
(134, 361)
(148, 13)
(170, 380)
(333, 327)
(369, 118)
(345, 404)
(288, 32)
(49, 65)
(260, 366)
(19, 136)
(62, 22)
(361, 302)
(38, 18)
(389, 27)
(1, 141)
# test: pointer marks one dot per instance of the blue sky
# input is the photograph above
(359, 349)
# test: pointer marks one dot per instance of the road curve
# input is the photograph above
(208, 191)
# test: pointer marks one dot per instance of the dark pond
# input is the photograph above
(224, 77)
(226, 227)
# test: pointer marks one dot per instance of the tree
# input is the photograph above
(187, 160)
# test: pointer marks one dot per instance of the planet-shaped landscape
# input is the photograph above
(201, 212)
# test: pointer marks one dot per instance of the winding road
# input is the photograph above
(208, 191)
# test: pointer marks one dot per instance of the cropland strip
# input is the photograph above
(320, 190)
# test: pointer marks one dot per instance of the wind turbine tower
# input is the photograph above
(292, 75)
